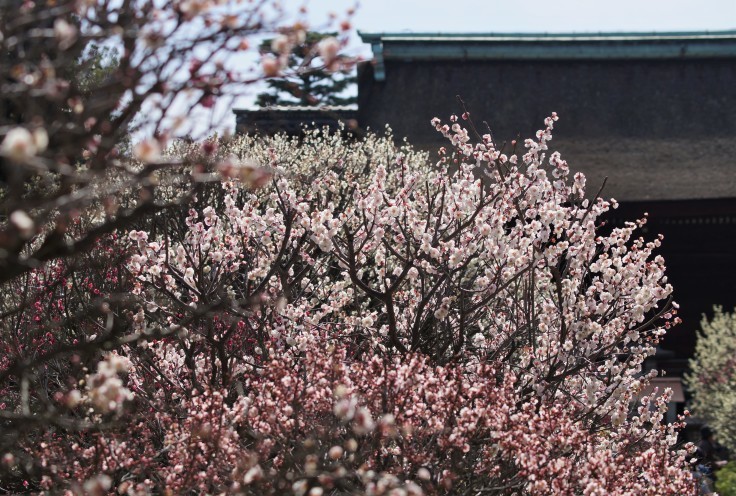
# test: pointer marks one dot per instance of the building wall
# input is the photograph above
(683, 98)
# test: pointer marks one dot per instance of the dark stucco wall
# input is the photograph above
(627, 98)
(658, 129)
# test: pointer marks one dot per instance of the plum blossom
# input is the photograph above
(23, 222)
(19, 144)
(66, 34)
(328, 49)
(147, 151)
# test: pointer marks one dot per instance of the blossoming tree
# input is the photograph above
(372, 323)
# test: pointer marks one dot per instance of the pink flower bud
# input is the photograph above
(335, 452)
(270, 65)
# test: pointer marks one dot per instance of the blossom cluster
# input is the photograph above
(105, 390)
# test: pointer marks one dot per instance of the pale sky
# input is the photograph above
(534, 15)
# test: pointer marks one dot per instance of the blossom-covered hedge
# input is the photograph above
(712, 377)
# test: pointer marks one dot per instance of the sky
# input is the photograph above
(527, 16)
(534, 15)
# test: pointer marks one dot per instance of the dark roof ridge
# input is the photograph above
(370, 37)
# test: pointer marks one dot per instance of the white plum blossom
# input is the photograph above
(23, 222)
(66, 33)
(19, 144)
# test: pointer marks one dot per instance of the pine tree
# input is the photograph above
(323, 85)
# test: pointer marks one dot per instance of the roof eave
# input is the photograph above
(544, 46)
